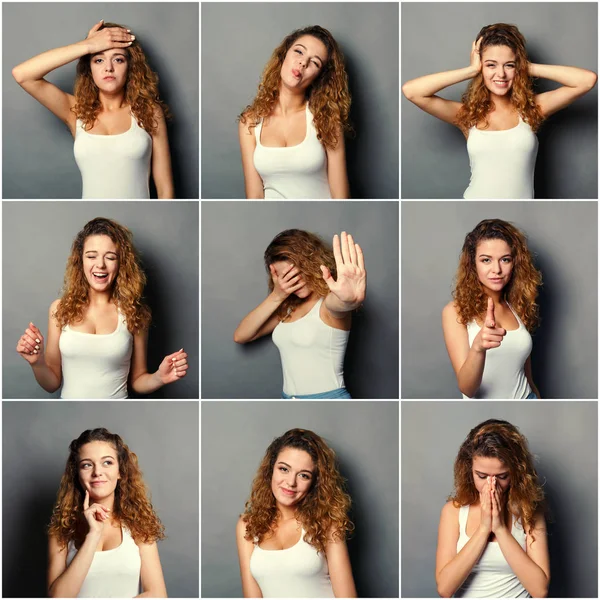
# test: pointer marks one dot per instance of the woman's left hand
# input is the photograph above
(173, 367)
(497, 499)
(351, 284)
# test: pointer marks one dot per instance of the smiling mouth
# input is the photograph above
(288, 492)
(98, 482)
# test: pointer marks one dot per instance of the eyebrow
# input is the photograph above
(495, 61)
(89, 459)
(488, 475)
(289, 467)
(96, 252)
(489, 256)
(104, 54)
(316, 55)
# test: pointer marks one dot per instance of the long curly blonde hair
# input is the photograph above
(476, 101)
(521, 291)
(307, 252)
(132, 506)
(323, 512)
(499, 439)
(127, 290)
(141, 89)
(328, 96)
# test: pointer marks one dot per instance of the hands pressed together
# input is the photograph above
(492, 507)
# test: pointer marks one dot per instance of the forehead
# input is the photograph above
(100, 243)
(313, 45)
(500, 54)
(97, 449)
(493, 248)
(296, 458)
(489, 465)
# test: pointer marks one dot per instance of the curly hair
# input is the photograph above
(132, 506)
(328, 96)
(141, 89)
(323, 512)
(127, 289)
(307, 252)
(499, 439)
(476, 101)
(522, 289)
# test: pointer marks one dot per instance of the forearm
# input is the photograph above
(470, 374)
(428, 85)
(146, 383)
(37, 67)
(533, 578)
(151, 594)
(335, 305)
(253, 321)
(570, 76)
(452, 576)
(45, 376)
(70, 581)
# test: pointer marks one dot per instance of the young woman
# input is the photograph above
(98, 330)
(492, 539)
(487, 325)
(115, 115)
(292, 135)
(308, 310)
(292, 536)
(499, 113)
(103, 532)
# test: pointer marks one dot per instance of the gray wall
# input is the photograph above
(237, 42)
(36, 242)
(438, 36)
(234, 281)
(35, 448)
(564, 438)
(564, 239)
(364, 435)
(37, 147)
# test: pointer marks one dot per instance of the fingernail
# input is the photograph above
(37, 347)
(35, 351)
(133, 37)
(173, 359)
(38, 341)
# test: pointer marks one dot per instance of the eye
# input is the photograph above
(507, 259)
(283, 469)
(298, 51)
(85, 465)
(108, 462)
(305, 476)
(98, 60)
(314, 62)
(119, 60)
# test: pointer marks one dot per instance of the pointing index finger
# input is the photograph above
(490, 318)
(86, 500)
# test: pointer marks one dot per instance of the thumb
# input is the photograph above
(326, 273)
(490, 318)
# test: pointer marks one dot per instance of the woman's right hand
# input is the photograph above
(31, 344)
(109, 37)
(95, 515)
(489, 335)
(286, 284)
(485, 520)
(476, 57)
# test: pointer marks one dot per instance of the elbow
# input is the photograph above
(239, 339)
(406, 90)
(17, 75)
(592, 80)
(443, 592)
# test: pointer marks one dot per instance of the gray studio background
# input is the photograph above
(235, 51)
(438, 36)
(563, 237)
(165, 234)
(35, 448)
(37, 153)
(564, 438)
(234, 281)
(364, 436)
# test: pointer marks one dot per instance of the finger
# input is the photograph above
(291, 274)
(97, 26)
(337, 251)
(34, 338)
(345, 248)
(352, 249)
(35, 330)
(360, 257)
(182, 369)
(291, 283)
(296, 287)
(326, 273)
(287, 270)
(86, 500)
(490, 319)
(180, 363)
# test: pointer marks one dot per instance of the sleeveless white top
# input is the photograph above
(312, 354)
(491, 576)
(504, 370)
(502, 162)
(113, 573)
(114, 166)
(95, 366)
(297, 172)
(296, 572)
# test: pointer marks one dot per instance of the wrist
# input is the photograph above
(277, 298)
(40, 364)
(93, 534)
(85, 46)
(471, 72)
(157, 380)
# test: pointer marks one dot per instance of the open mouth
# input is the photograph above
(500, 83)
(100, 276)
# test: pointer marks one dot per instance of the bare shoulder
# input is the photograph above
(450, 312)
(54, 306)
(240, 528)
(449, 511)
(158, 113)
(244, 124)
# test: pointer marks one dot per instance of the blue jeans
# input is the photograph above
(339, 393)
(531, 396)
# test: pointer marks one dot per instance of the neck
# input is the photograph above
(111, 101)
(497, 297)
(501, 102)
(99, 298)
(290, 101)
(287, 512)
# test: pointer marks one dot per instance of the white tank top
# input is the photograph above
(504, 370)
(296, 572)
(114, 166)
(312, 354)
(113, 573)
(491, 577)
(502, 162)
(95, 366)
(297, 172)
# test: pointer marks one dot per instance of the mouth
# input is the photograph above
(496, 280)
(296, 74)
(97, 483)
(109, 78)
(501, 83)
(100, 277)
(287, 492)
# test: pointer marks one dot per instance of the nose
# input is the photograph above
(95, 471)
(497, 268)
(109, 67)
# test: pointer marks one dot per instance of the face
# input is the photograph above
(292, 477)
(303, 62)
(484, 467)
(498, 68)
(98, 469)
(281, 266)
(100, 262)
(109, 69)
(494, 262)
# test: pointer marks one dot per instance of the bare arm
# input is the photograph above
(250, 588)
(529, 375)
(252, 180)
(161, 159)
(340, 569)
(153, 581)
(575, 81)
(336, 170)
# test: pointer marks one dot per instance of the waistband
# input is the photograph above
(339, 393)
